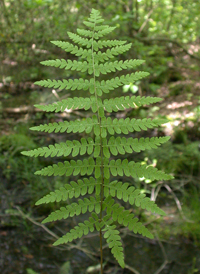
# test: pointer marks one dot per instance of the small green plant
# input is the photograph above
(101, 145)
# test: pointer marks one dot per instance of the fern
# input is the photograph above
(102, 146)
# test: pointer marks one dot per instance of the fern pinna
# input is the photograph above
(99, 168)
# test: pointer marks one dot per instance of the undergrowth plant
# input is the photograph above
(102, 147)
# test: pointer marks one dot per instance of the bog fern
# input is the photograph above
(99, 166)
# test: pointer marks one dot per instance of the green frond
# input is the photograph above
(106, 86)
(98, 56)
(94, 57)
(86, 33)
(89, 24)
(72, 103)
(72, 126)
(108, 43)
(100, 87)
(114, 242)
(125, 192)
(73, 209)
(65, 84)
(136, 170)
(68, 168)
(98, 33)
(125, 218)
(64, 149)
(87, 166)
(146, 143)
(68, 47)
(71, 190)
(93, 24)
(88, 66)
(121, 145)
(73, 65)
(88, 43)
(78, 231)
(128, 125)
(94, 19)
(110, 53)
(121, 103)
(113, 104)
(118, 167)
(80, 40)
(114, 66)
(95, 16)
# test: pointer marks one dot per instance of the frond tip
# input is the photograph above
(114, 241)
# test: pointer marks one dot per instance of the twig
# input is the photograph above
(132, 269)
(70, 246)
(164, 255)
(36, 223)
(177, 203)
(161, 267)
(155, 191)
(147, 19)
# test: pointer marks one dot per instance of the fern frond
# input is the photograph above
(68, 47)
(125, 192)
(128, 125)
(116, 104)
(87, 166)
(100, 32)
(65, 84)
(84, 53)
(73, 65)
(114, 242)
(122, 145)
(68, 168)
(72, 126)
(96, 44)
(80, 40)
(124, 217)
(114, 66)
(71, 190)
(110, 53)
(136, 170)
(121, 103)
(94, 58)
(100, 87)
(73, 209)
(118, 167)
(95, 16)
(86, 66)
(72, 103)
(78, 231)
(64, 149)
(106, 86)
(108, 43)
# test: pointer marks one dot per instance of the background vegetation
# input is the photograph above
(165, 33)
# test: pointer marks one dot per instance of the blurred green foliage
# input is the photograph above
(18, 170)
(179, 159)
(191, 209)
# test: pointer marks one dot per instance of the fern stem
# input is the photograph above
(101, 250)
(101, 152)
